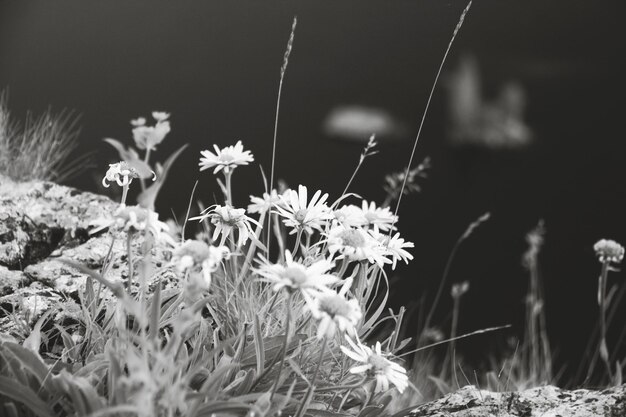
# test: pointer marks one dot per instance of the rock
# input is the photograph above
(547, 401)
(11, 280)
(42, 222)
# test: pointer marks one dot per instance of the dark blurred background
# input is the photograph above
(215, 67)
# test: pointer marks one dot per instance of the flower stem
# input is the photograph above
(285, 344)
(124, 194)
(145, 160)
(311, 389)
(455, 322)
(604, 354)
(297, 244)
(253, 245)
(228, 197)
(129, 259)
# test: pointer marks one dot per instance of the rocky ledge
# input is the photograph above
(41, 222)
(547, 401)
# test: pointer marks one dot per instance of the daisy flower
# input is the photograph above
(334, 311)
(294, 276)
(140, 121)
(382, 217)
(137, 219)
(226, 219)
(300, 215)
(395, 247)
(265, 203)
(459, 289)
(350, 216)
(609, 251)
(375, 364)
(356, 245)
(160, 116)
(227, 159)
(148, 137)
(197, 257)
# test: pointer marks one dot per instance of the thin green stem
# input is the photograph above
(310, 391)
(146, 161)
(283, 70)
(129, 258)
(250, 254)
(430, 97)
(604, 354)
(285, 343)
(124, 194)
(229, 196)
(455, 322)
(444, 277)
(297, 243)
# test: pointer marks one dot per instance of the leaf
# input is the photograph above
(29, 360)
(324, 413)
(376, 410)
(403, 343)
(10, 410)
(604, 352)
(369, 325)
(131, 157)
(246, 383)
(116, 288)
(272, 346)
(223, 407)
(33, 341)
(69, 347)
(148, 197)
(155, 312)
(24, 395)
(259, 346)
(85, 399)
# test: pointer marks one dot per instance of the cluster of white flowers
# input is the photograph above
(148, 137)
(336, 314)
(359, 233)
(363, 233)
(609, 251)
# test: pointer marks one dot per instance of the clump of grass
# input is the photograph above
(40, 147)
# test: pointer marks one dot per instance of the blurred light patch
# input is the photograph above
(495, 124)
(358, 123)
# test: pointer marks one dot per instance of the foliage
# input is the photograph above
(40, 148)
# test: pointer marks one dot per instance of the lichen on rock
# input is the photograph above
(42, 223)
(547, 401)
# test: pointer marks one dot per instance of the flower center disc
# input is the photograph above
(378, 362)
(352, 238)
(300, 215)
(295, 275)
(335, 305)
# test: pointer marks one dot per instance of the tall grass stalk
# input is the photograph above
(283, 70)
(430, 97)
(536, 354)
